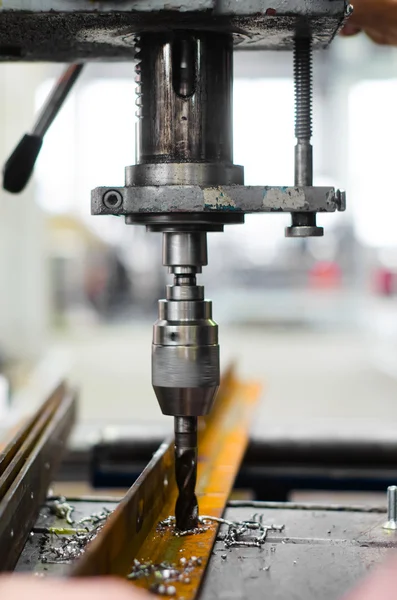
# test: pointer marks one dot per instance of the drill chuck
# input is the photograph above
(185, 352)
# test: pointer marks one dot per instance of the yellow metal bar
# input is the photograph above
(132, 531)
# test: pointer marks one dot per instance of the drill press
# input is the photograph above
(184, 183)
(185, 137)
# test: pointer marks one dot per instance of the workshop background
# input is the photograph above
(314, 320)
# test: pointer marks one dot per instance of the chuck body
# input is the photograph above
(185, 352)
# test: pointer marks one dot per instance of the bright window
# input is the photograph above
(372, 161)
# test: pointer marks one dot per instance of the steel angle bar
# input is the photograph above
(27, 467)
(132, 535)
(10, 450)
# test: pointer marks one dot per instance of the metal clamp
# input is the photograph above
(227, 199)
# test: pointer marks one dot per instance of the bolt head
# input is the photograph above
(112, 199)
(303, 231)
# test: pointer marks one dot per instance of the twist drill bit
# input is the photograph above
(186, 508)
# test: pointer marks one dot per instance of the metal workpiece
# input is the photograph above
(186, 507)
(59, 30)
(391, 508)
(303, 225)
(139, 202)
(28, 465)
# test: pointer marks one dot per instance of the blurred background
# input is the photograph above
(314, 320)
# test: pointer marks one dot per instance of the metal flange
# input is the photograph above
(229, 199)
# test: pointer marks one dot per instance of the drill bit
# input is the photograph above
(186, 508)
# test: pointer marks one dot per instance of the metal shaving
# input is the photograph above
(250, 533)
(96, 517)
(158, 576)
(169, 524)
(69, 547)
(61, 509)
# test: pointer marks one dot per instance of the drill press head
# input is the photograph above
(185, 353)
(184, 185)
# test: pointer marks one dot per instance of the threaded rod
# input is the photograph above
(303, 82)
(303, 224)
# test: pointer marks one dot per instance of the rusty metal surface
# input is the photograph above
(55, 30)
(131, 532)
(234, 198)
(321, 553)
(27, 466)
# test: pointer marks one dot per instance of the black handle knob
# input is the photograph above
(19, 167)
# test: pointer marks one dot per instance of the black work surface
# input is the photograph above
(38, 542)
(319, 554)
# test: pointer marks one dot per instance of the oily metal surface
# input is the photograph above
(321, 553)
(63, 30)
(30, 560)
(25, 480)
(131, 532)
(233, 198)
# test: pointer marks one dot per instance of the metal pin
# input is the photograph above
(391, 508)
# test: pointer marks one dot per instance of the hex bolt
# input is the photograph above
(391, 508)
(112, 199)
